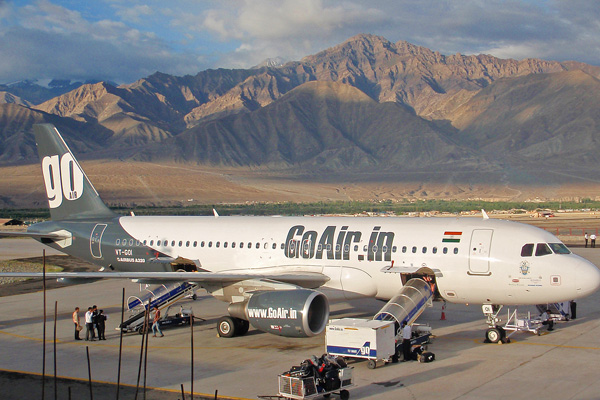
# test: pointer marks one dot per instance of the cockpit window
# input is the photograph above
(559, 248)
(527, 250)
(542, 249)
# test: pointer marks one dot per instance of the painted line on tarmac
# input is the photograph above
(122, 384)
(512, 341)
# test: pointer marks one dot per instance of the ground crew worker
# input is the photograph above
(406, 336)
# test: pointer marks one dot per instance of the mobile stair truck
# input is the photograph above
(161, 296)
(378, 340)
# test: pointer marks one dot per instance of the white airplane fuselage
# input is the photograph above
(473, 260)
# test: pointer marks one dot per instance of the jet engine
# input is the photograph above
(291, 313)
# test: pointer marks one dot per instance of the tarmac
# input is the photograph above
(562, 364)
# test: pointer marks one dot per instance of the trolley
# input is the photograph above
(294, 386)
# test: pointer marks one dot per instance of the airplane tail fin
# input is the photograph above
(71, 195)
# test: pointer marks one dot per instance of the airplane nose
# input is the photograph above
(587, 278)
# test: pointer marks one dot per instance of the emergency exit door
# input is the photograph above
(96, 239)
(479, 252)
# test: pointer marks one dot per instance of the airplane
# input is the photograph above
(279, 274)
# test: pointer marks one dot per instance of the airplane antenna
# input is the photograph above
(485, 215)
(215, 213)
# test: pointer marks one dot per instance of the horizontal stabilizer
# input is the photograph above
(37, 235)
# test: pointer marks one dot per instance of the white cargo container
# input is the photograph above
(361, 338)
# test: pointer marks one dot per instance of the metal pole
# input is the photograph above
(120, 344)
(44, 327)
(192, 356)
(87, 352)
(55, 380)
(146, 358)
(182, 393)
(145, 332)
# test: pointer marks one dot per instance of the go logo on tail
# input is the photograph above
(62, 177)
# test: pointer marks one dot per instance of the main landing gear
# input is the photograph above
(232, 326)
(494, 333)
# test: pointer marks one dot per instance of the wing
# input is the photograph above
(304, 279)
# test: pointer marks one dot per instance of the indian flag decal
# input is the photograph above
(451, 237)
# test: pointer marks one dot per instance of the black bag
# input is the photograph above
(426, 357)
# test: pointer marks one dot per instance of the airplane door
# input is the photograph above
(95, 239)
(479, 255)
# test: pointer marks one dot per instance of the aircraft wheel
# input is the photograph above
(493, 335)
(226, 327)
(194, 296)
(241, 327)
(344, 394)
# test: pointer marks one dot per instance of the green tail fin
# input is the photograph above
(71, 195)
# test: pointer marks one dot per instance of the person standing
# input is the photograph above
(593, 240)
(76, 322)
(94, 316)
(101, 324)
(89, 325)
(155, 326)
(586, 239)
(406, 336)
(573, 305)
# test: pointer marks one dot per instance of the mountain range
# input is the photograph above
(364, 106)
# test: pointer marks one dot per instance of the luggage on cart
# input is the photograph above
(426, 357)
(316, 377)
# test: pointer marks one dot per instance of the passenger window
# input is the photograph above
(384, 249)
(364, 248)
(195, 243)
(274, 246)
(241, 245)
(257, 245)
(456, 250)
(151, 242)
(394, 249)
(172, 243)
(424, 250)
(434, 250)
(375, 248)
(414, 249)
(404, 249)
(249, 245)
(187, 244)
(445, 251)
(233, 245)
(527, 250)
(144, 242)
(209, 244)
(131, 242)
(337, 248)
(346, 248)
(180, 243)
(282, 246)
(542, 249)
(202, 243)
(225, 244)
(118, 242)
(218, 244)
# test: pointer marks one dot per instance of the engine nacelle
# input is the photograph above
(291, 313)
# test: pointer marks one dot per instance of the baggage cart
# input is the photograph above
(295, 386)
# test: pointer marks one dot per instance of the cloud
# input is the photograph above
(49, 41)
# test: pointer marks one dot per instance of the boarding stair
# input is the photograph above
(161, 296)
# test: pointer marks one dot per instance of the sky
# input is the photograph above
(126, 40)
